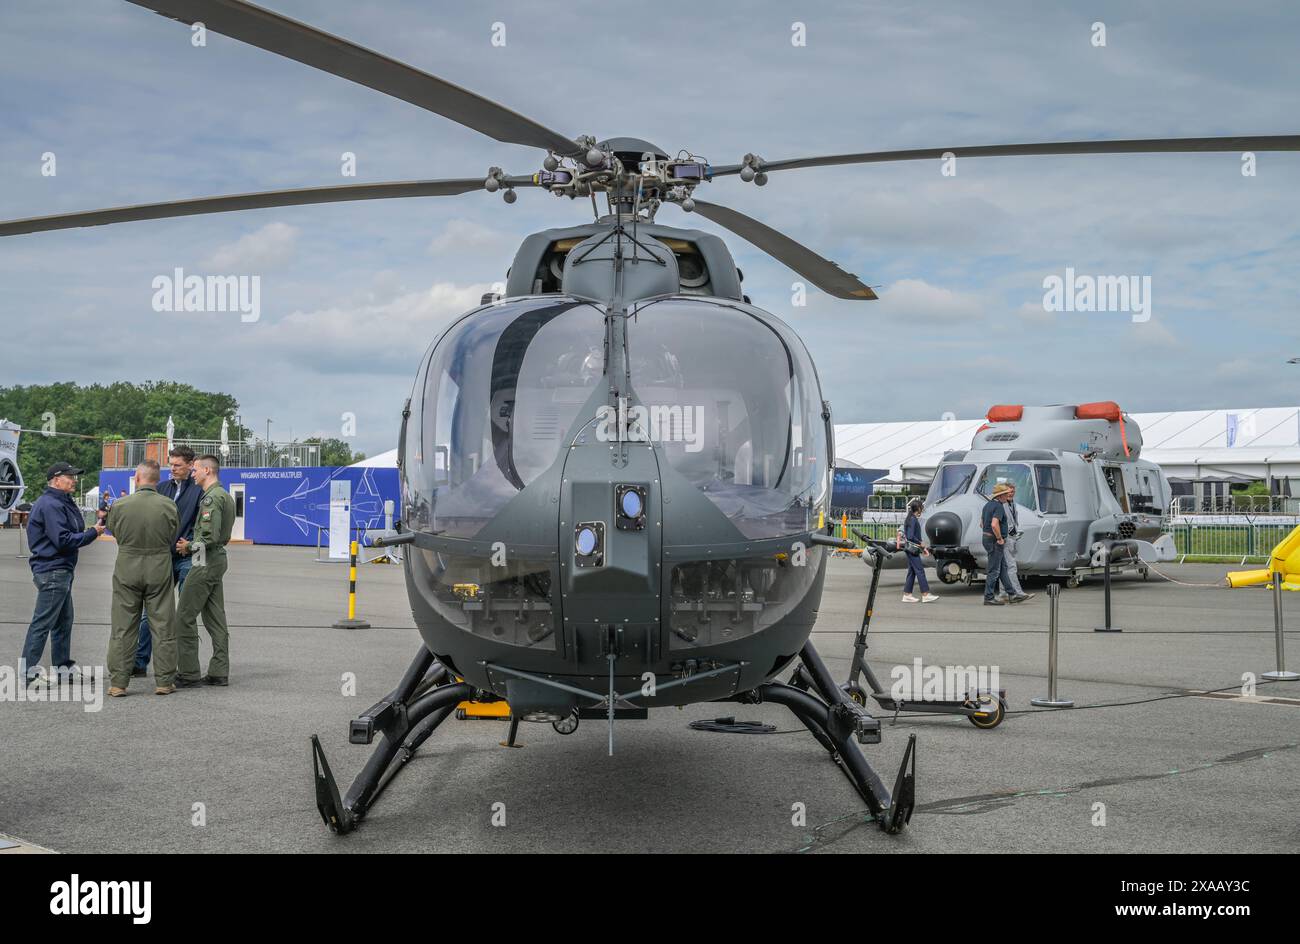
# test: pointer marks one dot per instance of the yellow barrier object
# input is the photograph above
(1285, 560)
(1249, 578)
(483, 709)
(486, 706)
(352, 622)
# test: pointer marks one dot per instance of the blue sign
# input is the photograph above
(850, 487)
(292, 505)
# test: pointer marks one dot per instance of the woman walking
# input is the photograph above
(914, 546)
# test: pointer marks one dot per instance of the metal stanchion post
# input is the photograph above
(24, 551)
(1281, 674)
(1053, 616)
(352, 622)
(1106, 580)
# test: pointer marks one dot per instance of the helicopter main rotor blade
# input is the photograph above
(822, 273)
(252, 201)
(293, 40)
(1268, 142)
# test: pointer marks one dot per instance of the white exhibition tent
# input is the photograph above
(385, 460)
(1190, 445)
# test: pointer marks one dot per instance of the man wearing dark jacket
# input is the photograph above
(56, 531)
(185, 492)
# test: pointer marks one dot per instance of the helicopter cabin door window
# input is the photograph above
(1051, 489)
(1115, 482)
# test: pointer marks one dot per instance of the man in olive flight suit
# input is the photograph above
(144, 524)
(203, 592)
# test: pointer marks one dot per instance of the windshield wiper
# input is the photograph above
(959, 490)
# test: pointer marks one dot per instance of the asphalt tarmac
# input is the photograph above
(1166, 774)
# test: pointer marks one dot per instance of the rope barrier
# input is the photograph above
(1221, 585)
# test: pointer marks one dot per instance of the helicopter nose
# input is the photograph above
(943, 528)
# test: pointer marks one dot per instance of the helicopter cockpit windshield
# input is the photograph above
(734, 404)
(501, 391)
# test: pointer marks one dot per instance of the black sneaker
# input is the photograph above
(181, 682)
(140, 671)
(215, 680)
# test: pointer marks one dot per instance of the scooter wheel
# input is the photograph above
(566, 725)
(1072, 582)
(993, 705)
(460, 714)
(856, 694)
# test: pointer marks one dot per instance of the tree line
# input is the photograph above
(68, 422)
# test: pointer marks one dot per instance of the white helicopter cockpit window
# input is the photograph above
(502, 390)
(949, 480)
(1012, 473)
(734, 404)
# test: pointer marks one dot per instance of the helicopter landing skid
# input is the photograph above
(835, 722)
(406, 717)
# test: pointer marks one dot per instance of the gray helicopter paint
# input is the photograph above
(1056, 428)
(724, 277)
(1054, 544)
(649, 269)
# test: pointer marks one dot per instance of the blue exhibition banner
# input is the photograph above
(850, 487)
(290, 505)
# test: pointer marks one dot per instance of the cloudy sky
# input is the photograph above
(352, 293)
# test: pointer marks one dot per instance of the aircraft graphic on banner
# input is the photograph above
(309, 507)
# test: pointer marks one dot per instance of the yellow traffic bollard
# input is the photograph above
(352, 622)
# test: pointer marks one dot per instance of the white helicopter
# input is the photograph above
(1083, 493)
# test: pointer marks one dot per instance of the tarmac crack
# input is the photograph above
(823, 837)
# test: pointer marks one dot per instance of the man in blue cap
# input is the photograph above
(56, 531)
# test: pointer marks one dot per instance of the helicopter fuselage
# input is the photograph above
(613, 484)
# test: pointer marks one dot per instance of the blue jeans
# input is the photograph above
(915, 572)
(997, 570)
(144, 645)
(51, 618)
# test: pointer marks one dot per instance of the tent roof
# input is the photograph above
(1187, 442)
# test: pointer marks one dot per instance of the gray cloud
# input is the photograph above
(135, 113)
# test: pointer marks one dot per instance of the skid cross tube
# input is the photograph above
(624, 697)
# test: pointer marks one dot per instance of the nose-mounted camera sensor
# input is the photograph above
(629, 507)
(589, 544)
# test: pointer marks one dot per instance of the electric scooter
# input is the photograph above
(983, 708)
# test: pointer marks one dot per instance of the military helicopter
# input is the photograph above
(613, 472)
(11, 476)
(1085, 497)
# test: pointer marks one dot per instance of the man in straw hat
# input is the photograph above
(996, 529)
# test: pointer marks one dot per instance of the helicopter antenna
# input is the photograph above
(636, 213)
(618, 226)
